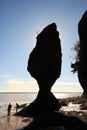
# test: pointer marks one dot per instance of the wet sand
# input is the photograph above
(13, 122)
(68, 108)
(75, 106)
(16, 123)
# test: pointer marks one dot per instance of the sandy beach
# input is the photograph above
(13, 122)
(70, 107)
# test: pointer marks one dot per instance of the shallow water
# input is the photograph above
(12, 122)
(21, 98)
(28, 97)
(16, 123)
(71, 107)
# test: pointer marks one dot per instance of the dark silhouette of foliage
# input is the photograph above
(75, 65)
(80, 66)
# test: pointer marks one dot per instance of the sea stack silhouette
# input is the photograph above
(82, 69)
(44, 65)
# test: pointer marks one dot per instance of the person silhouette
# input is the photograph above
(17, 106)
(9, 109)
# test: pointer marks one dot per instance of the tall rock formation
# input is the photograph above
(45, 60)
(44, 65)
(82, 70)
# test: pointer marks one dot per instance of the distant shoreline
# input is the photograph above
(34, 92)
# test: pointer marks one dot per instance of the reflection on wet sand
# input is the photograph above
(8, 120)
(13, 122)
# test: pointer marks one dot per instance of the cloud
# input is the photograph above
(68, 83)
(20, 85)
(67, 87)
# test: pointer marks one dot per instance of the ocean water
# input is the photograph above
(26, 97)
(21, 98)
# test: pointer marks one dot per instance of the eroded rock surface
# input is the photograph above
(45, 60)
(44, 65)
(82, 71)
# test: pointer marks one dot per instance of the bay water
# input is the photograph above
(22, 98)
